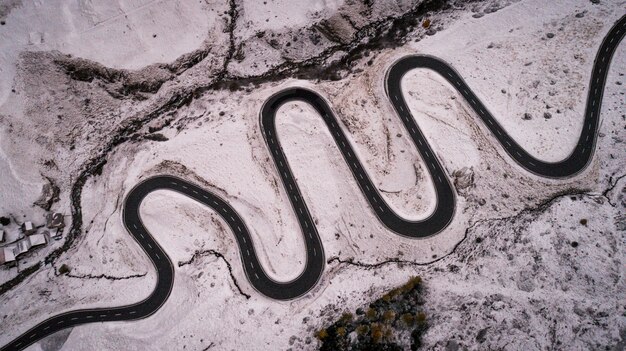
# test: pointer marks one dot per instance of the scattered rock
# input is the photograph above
(481, 336)
(547, 115)
(527, 116)
(463, 178)
(452, 346)
(550, 35)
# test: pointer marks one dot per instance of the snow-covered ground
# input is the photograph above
(519, 271)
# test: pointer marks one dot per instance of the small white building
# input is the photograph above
(7, 254)
(37, 240)
(22, 247)
(28, 228)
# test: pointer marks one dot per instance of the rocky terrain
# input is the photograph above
(90, 104)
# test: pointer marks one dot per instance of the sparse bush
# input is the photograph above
(322, 334)
(408, 319)
(64, 269)
(371, 314)
(362, 329)
(389, 316)
(376, 333)
(346, 317)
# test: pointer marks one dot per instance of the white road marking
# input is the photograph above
(531, 163)
(300, 209)
(157, 256)
(314, 252)
(507, 143)
(132, 312)
(395, 97)
(367, 188)
(244, 239)
(381, 209)
(118, 314)
(185, 187)
(251, 265)
(360, 175)
(150, 246)
(46, 328)
(74, 318)
(195, 192)
(248, 252)
(401, 109)
(256, 275)
(134, 226)
(239, 229)
(343, 144)
(173, 183)
(489, 121)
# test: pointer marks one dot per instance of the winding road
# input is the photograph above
(308, 278)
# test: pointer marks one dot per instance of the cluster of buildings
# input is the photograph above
(30, 238)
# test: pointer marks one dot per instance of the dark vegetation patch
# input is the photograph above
(386, 324)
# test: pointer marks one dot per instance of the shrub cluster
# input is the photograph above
(380, 326)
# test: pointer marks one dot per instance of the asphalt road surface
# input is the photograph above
(438, 220)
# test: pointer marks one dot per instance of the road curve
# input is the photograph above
(308, 278)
